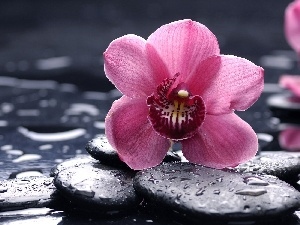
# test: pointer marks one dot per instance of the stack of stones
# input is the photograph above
(100, 184)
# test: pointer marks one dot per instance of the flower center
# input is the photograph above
(173, 111)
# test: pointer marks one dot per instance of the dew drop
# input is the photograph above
(154, 181)
(200, 192)
(27, 157)
(251, 192)
(255, 181)
(231, 189)
(216, 192)
(220, 179)
(246, 207)
(29, 174)
(186, 186)
(59, 136)
(3, 189)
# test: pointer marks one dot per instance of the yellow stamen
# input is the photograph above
(182, 94)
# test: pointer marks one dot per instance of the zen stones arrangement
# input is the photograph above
(251, 192)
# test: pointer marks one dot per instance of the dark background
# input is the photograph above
(81, 30)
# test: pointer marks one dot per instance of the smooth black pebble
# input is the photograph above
(100, 149)
(95, 187)
(283, 165)
(285, 106)
(194, 192)
(31, 192)
(73, 162)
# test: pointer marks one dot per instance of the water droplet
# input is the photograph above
(231, 189)
(258, 207)
(154, 181)
(29, 174)
(3, 189)
(211, 183)
(184, 179)
(246, 207)
(220, 179)
(48, 182)
(255, 181)
(200, 192)
(256, 168)
(27, 157)
(186, 186)
(251, 192)
(216, 192)
(59, 136)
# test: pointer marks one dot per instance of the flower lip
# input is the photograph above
(176, 115)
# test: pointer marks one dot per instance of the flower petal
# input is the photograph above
(227, 83)
(291, 82)
(127, 66)
(222, 141)
(130, 133)
(183, 44)
(289, 139)
(292, 25)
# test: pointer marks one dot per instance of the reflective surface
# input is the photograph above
(54, 96)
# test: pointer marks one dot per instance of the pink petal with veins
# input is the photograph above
(129, 131)
(183, 44)
(127, 66)
(292, 25)
(227, 83)
(222, 141)
(289, 139)
(291, 82)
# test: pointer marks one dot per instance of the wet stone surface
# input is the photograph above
(97, 188)
(73, 162)
(100, 149)
(201, 192)
(30, 192)
(283, 165)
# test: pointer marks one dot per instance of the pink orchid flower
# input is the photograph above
(177, 87)
(291, 82)
(292, 25)
(289, 139)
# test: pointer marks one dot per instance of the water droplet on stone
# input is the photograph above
(211, 183)
(251, 192)
(200, 192)
(186, 186)
(154, 181)
(246, 207)
(255, 181)
(3, 189)
(220, 179)
(231, 189)
(216, 192)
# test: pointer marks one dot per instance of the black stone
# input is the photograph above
(100, 149)
(73, 162)
(97, 188)
(285, 106)
(284, 165)
(198, 192)
(31, 192)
